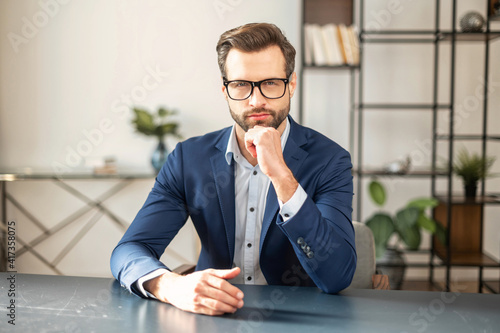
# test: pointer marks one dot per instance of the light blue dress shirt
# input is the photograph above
(251, 187)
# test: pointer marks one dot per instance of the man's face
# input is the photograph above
(257, 109)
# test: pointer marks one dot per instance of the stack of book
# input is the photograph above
(331, 45)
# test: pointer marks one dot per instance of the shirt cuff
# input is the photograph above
(292, 206)
(140, 283)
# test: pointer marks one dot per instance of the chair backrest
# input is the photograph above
(365, 249)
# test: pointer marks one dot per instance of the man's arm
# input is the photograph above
(138, 252)
(320, 230)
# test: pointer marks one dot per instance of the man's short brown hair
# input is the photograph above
(254, 37)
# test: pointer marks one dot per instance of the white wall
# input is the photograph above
(87, 64)
(90, 58)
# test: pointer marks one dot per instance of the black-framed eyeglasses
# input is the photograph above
(239, 90)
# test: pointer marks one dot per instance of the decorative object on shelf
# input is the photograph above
(495, 10)
(394, 266)
(406, 225)
(108, 167)
(399, 167)
(156, 125)
(472, 168)
(472, 22)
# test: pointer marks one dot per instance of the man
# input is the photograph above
(270, 199)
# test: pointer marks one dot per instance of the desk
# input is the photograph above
(82, 304)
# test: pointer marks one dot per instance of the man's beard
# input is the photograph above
(276, 117)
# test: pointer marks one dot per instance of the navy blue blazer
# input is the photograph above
(314, 248)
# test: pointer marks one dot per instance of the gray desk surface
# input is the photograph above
(80, 304)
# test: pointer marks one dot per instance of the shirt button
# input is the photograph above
(255, 173)
(249, 278)
(286, 215)
(249, 244)
(252, 209)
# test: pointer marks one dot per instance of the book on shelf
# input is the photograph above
(308, 45)
(331, 45)
(354, 35)
(319, 50)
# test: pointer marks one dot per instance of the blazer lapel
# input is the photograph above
(224, 184)
(294, 157)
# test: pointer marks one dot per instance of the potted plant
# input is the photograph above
(156, 124)
(472, 168)
(406, 225)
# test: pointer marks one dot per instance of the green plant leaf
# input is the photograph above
(407, 228)
(423, 203)
(382, 228)
(162, 112)
(472, 167)
(169, 128)
(426, 222)
(154, 124)
(411, 237)
(380, 251)
(407, 218)
(143, 122)
(377, 192)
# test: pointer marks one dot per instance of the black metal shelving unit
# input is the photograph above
(322, 12)
(437, 38)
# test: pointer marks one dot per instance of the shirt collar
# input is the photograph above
(233, 148)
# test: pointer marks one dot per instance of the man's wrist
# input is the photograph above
(139, 284)
(285, 185)
(154, 285)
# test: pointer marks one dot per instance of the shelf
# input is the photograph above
(400, 36)
(412, 173)
(493, 286)
(467, 137)
(379, 106)
(338, 67)
(426, 36)
(469, 36)
(461, 200)
(468, 259)
(14, 175)
(405, 33)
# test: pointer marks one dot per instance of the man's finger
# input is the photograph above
(222, 290)
(250, 146)
(221, 284)
(217, 305)
(226, 273)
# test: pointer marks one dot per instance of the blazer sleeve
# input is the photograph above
(321, 232)
(158, 221)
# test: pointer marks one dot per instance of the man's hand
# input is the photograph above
(205, 292)
(264, 143)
